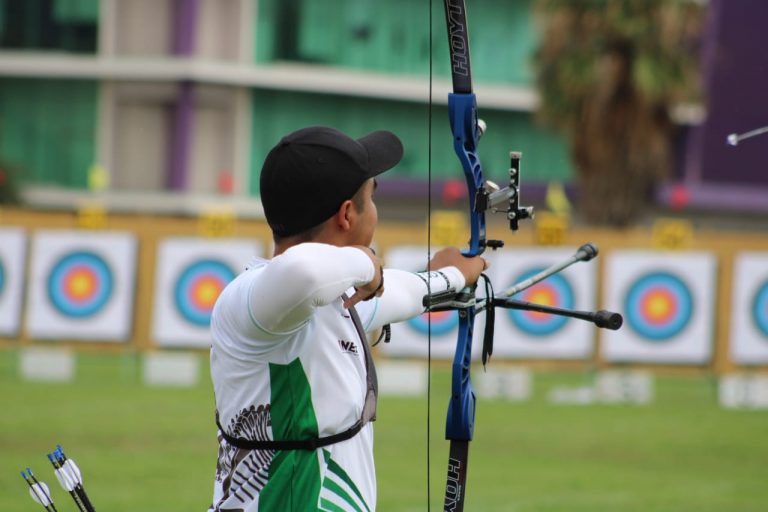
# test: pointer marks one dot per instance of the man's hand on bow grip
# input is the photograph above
(373, 288)
(471, 267)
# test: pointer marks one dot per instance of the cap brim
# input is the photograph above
(384, 150)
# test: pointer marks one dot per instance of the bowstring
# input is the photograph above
(429, 257)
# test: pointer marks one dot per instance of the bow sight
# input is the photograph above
(490, 197)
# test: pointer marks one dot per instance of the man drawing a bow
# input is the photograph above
(294, 380)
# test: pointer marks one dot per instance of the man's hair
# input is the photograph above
(310, 234)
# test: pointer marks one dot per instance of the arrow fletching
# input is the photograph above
(41, 494)
(64, 479)
(73, 471)
(62, 475)
(68, 465)
(39, 491)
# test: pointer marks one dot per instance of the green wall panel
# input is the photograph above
(277, 113)
(47, 129)
(394, 36)
(76, 11)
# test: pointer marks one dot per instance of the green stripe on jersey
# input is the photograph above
(338, 471)
(337, 490)
(329, 506)
(294, 475)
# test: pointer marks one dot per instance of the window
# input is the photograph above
(68, 25)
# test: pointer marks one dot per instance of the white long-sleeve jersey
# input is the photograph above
(287, 363)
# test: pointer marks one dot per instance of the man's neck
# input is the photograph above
(286, 243)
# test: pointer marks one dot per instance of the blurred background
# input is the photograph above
(132, 133)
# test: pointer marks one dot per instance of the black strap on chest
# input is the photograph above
(303, 444)
(369, 409)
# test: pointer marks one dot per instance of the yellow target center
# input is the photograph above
(207, 293)
(542, 297)
(81, 285)
(659, 306)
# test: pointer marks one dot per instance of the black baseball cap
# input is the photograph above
(311, 171)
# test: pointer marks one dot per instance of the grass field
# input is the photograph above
(153, 449)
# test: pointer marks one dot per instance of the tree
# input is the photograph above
(608, 73)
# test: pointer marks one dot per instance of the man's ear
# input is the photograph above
(344, 215)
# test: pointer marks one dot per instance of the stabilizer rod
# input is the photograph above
(585, 253)
(604, 319)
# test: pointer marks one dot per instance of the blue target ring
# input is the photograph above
(2, 277)
(555, 291)
(442, 322)
(658, 306)
(198, 287)
(760, 308)
(80, 284)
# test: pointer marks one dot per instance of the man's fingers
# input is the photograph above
(372, 289)
(354, 299)
(359, 297)
(378, 293)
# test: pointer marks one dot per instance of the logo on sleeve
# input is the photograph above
(348, 346)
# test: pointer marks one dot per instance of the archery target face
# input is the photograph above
(760, 308)
(528, 334)
(667, 303)
(190, 275)
(749, 313)
(411, 337)
(659, 306)
(555, 291)
(82, 285)
(197, 288)
(12, 258)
